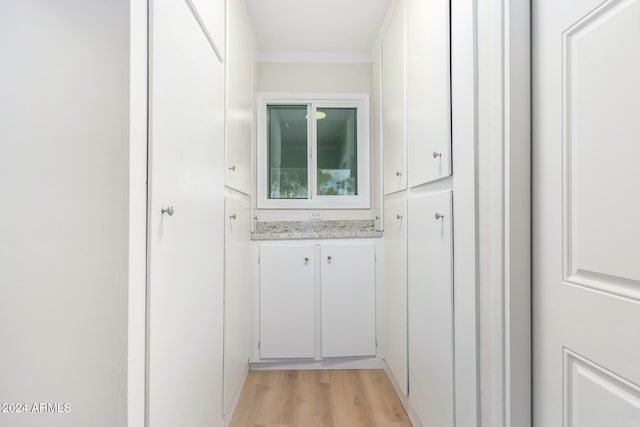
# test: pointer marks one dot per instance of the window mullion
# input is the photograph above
(312, 149)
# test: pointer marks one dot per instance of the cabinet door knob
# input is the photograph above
(306, 260)
(439, 215)
(234, 216)
(233, 168)
(436, 154)
(399, 216)
(398, 173)
(329, 259)
(168, 210)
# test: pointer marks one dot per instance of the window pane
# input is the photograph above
(337, 151)
(287, 150)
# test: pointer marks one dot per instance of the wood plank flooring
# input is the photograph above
(334, 398)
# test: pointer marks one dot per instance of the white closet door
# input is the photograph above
(431, 309)
(393, 104)
(185, 244)
(586, 211)
(395, 290)
(348, 299)
(287, 301)
(237, 297)
(428, 91)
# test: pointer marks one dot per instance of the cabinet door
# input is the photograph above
(348, 300)
(186, 244)
(237, 297)
(395, 290)
(428, 91)
(213, 16)
(431, 309)
(393, 104)
(240, 67)
(287, 301)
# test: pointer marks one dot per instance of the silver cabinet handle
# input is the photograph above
(436, 154)
(439, 215)
(168, 210)
(399, 216)
(398, 173)
(233, 168)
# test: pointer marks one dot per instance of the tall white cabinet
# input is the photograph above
(416, 138)
(186, 226)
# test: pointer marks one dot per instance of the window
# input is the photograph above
(313, 151)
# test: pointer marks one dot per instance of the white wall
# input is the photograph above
(317, 77)
(64, 171)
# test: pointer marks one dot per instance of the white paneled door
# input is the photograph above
(586, 258)
(186, 225)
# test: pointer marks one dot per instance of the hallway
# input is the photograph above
(329, 398)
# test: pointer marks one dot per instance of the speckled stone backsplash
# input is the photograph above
(282, 230)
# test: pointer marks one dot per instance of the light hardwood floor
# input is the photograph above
(340, 398)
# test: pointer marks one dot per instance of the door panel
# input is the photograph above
(186, 255)
(348, 300)
(287, 301)
(431, 309)
(586, 204)
(428, 91)
(393, 104)
(237, 297)
(395, 290)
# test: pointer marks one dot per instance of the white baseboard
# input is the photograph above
(318, 364)
(229, 415)
(405, 400)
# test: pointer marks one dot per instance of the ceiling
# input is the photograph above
(289, 28)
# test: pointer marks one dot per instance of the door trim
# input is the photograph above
(137, 296)
(505, 212)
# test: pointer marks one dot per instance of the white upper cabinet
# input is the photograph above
(428, 91)
(393, 104)
(240, 78)
(212, 15)
(348, 295)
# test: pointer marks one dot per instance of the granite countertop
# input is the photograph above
(284, 230)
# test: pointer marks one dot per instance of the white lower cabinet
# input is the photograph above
(287, 301)
(237, 297)
(395, 290)
(431, 309)
(348, 300)
(317, 300)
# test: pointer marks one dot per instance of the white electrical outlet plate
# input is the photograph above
(315, 215)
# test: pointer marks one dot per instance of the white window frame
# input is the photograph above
(360, 101)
